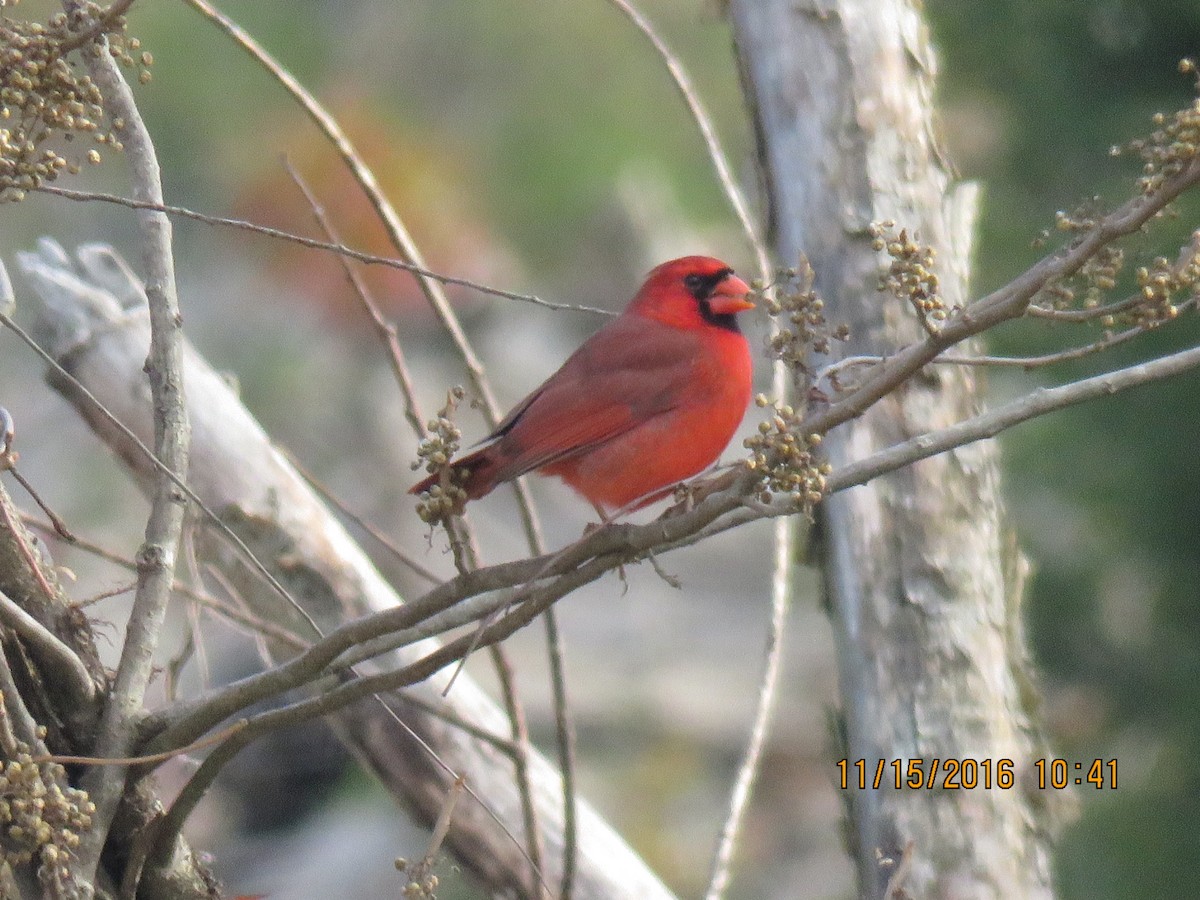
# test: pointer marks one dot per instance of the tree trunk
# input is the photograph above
(922, 578)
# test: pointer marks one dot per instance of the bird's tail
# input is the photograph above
(474, 473)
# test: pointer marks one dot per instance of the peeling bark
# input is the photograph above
(919, 566)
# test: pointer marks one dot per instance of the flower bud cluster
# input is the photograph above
(45, 100)
(421, 885)
(444, 498)
(785, 458)
(1159, 285)
(1174, 143)
(910, 276)
(1100, 274)
(799, 314)
(41, 817)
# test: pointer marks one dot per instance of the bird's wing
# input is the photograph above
(624, 375)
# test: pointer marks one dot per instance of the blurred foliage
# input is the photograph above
(1106, 496)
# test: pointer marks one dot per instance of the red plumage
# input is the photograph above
(649, 400)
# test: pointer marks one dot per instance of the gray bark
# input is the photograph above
(920, 572)
(94, 322)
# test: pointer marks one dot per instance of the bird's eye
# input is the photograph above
(694, 282)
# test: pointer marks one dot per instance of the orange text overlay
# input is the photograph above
(918, 773)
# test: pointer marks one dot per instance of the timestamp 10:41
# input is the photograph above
(969, 774)
(1060, 773)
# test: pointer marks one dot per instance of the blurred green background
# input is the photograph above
(541, 147)
(1105, 496)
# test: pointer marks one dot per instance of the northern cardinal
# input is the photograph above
(649, 400)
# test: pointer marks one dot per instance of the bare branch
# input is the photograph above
(154, 462)
(250, 622)
(156, 558)
(65, 663)
(341, 506)
(708, 132)
(748, 768)
(990, 424)
(1004, 304)
(60, 527)
(831, 372)
(18, 723)
(103, 23)
(314, 244)
(397, 232)
(520, 745)
(564, 735)
(385, 330)
(27, 553)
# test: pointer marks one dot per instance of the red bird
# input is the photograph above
(649, 400)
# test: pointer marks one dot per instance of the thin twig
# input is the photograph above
(748, 769)
(1188, 256)
(314, 244)
(1089, 314)
(1004, 304)
(459, 778)
(194, 646)
(149, 759)
(443, 607)
(218, 523)
(385, 330)
(1009, 362)
(117, 591)
(344, 508)
(504, 745)
(708, 132)
(467, 559)
(564, 736)
(396, 230)
(420, 872)
(989, 424)
(60, 527)
(9, 742)
(167, 828)
(252, 623)
(102, 24)
(520, 742)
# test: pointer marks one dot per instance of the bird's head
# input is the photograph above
(691, 292)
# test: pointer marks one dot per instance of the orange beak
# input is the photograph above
(730, 297)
